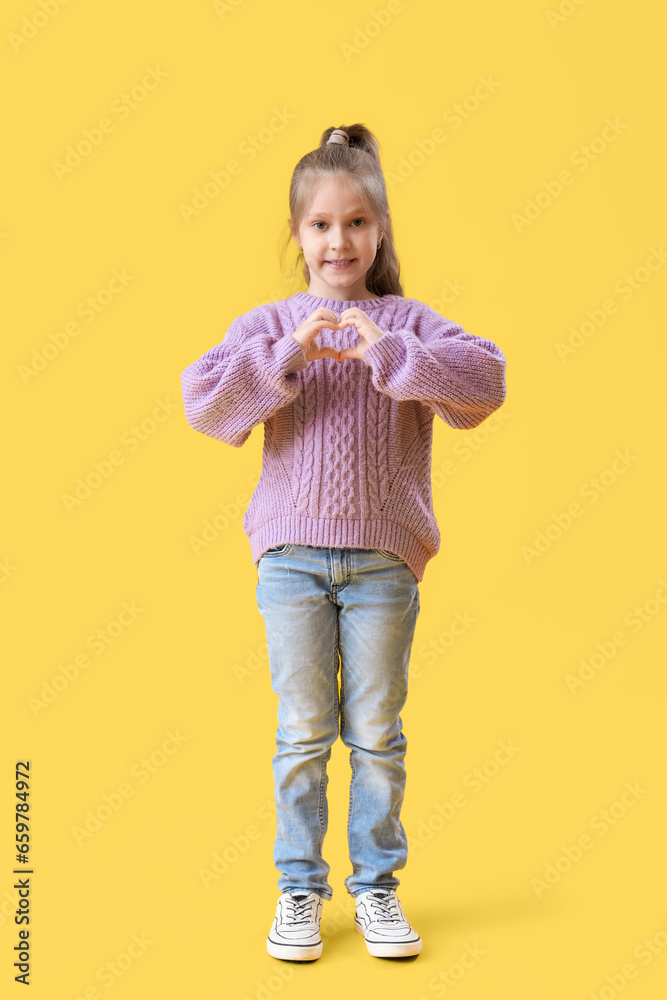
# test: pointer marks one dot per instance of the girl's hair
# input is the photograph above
(360, 163)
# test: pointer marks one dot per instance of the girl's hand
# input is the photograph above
(305, 334)
(367, 329)
(326, 319)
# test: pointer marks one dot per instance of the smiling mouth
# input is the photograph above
(341, 261)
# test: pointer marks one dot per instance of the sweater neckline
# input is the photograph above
(339, 305)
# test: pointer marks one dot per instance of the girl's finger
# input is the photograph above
(312, 328)
(349, 352)
(329, 352)
(325, 313)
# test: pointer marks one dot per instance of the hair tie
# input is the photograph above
(339, 136)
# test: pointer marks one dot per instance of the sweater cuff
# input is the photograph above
(385, 353)
(290, 356)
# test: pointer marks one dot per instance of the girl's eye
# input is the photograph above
(317, 224)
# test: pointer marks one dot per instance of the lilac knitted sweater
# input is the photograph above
(347, 444)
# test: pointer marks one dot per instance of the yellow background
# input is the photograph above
(192, 660)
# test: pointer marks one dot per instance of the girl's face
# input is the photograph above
(337, 227)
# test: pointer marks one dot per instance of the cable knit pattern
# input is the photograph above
(333, 484)
(347, 445)
(304, 443)
(349, 430)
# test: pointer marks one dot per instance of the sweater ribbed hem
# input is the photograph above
(341, 533)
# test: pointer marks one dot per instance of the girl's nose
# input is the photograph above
(337, 240)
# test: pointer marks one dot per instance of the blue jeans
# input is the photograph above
(360, 605)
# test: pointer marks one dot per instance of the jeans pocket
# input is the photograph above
(389, 555)
(278, 550)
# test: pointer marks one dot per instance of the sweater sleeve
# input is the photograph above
(238, 384)
(461, 377)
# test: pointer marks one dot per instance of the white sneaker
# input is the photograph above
(381, 920)
(295, 933)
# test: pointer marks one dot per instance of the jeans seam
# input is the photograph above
(323, 768)
(327, 753)
(355, 867)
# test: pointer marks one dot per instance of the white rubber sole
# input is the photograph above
(294, 952)
(380, 949)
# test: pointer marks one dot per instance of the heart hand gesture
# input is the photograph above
(305, 334)
(322, 319)
(368, 331)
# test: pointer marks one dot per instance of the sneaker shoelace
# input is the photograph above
(300, 909)
(384, 907)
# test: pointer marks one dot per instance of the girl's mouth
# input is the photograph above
(340, 264)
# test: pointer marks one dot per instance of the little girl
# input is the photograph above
(346, 378)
